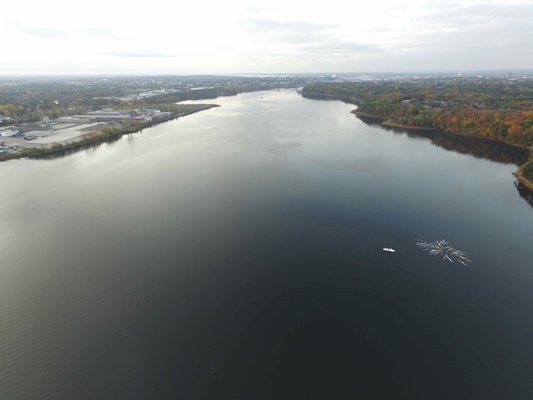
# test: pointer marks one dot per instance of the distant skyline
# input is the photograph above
(235, 36)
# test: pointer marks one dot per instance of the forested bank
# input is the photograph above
(493, 108)
(497, 109)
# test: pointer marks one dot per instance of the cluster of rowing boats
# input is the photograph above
(443, 249)
(439, 248)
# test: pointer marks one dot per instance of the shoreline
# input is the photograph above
(366, 115)
(528, 184)
(391, 124)
(519, 174)
(99, 137)
(525, 182)
(318, 96)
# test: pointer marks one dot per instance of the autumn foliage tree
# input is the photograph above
(488, 108)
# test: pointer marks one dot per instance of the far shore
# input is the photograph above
(527, 183)
(98, 138)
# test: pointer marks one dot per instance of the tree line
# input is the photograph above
(499, 109)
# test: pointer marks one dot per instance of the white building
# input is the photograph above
(8, 131)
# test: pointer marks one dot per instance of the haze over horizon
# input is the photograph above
(259, 37)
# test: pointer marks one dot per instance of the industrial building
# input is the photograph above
(63, 136)
(8, 131)
(139, 114)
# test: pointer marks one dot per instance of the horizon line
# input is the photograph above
(293, 74)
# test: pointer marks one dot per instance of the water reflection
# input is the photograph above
(479, 148)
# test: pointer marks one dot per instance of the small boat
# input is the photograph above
(388, 249)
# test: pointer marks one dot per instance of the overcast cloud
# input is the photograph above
(159, 37)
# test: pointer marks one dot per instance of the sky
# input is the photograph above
(275, 36)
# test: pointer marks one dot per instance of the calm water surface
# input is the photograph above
(236, 254)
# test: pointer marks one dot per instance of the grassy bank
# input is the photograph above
(525, 173)
(393, 124)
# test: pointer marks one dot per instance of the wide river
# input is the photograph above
(237, 254)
